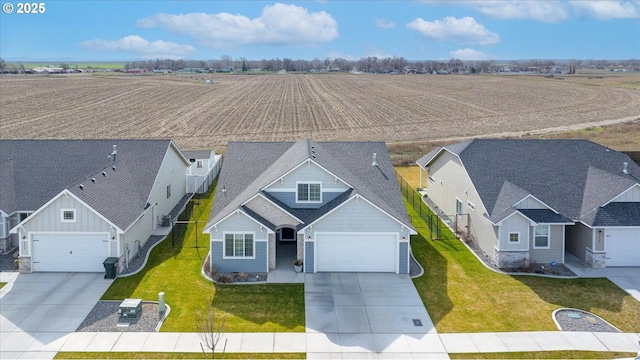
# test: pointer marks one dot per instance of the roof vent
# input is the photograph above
(374, 163)
(104, 173)
(114, 153)
(93, 180)
(81, 187)
(625, 169)
(114, 168)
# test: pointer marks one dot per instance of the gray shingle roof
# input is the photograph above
(545, 216)
(618, 214)
(250, 166)
(196, 154)
(574, 177)
(43, 168)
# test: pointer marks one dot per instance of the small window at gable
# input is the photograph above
(432, 180)
(309, 192)
(458, 207)
(471, 206)
(514, 237)
(68, 215)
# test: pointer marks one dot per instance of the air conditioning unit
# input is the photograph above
(166, 220)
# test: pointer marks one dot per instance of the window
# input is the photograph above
(68, 215)
(458, 207)
(309, 192)
(168, 191)
(432, 180)
(514, 237)
(541, 237)
(471, 206)
(199, 163)
(238, 245)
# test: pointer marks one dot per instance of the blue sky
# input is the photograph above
(416, 30)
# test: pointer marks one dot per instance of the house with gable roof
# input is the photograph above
(70, 204)
(338, 202)
(532, 200)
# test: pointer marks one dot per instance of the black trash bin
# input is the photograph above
(110, 267)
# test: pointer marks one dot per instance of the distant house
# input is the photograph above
(70, 204)
(526, 201)
(337, 203)
(204, 168)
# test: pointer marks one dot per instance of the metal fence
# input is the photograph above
(439, 224)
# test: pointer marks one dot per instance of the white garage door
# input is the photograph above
(623, 247)
(70, 252)
(356, 252)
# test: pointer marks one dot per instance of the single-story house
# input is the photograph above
(205, 166)
(70, 204)
(339, 202)
(527, 201)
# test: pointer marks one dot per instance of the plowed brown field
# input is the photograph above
(293, 106)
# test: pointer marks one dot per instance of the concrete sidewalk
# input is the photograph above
(318, 345)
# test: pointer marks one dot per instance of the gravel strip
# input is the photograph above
(104, 318)
(578, 320)
(414, 267)
(6, 261)
(139, 261)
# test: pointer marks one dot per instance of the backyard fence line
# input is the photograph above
(435, 222)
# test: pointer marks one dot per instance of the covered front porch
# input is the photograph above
(284, 272)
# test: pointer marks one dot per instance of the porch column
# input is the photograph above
(272, 251)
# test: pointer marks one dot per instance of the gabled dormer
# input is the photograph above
(307, 186)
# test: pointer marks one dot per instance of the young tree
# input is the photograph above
(211, 330)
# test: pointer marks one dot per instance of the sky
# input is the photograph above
(105, 30)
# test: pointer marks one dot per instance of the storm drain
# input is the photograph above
(417, 322)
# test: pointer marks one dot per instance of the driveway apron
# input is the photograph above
(367, 313)
(38, 311)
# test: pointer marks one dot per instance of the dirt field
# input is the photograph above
(400, 108)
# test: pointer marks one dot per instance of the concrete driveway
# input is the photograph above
(38, 311)
(367, 313)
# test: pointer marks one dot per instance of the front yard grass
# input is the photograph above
(462, 295)
(2, 284)
(175, 270)
(156, 355)
(569, 354)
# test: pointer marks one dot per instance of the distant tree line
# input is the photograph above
(370, 64)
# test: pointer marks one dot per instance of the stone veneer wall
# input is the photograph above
(596, 260)
(272, 251)
(511, 259)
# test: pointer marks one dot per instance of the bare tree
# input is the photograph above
(211, 330)
(3, 65)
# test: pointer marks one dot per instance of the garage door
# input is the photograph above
(623, 247)
(70, 252)
(350, 252)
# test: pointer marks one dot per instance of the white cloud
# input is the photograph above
(384, 24)
(338, 55)
(469, 54)
(464, 30)
(279, 24)
(607, 10)
(544, 11)
(141, 47)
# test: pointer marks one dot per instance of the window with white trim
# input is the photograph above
(458, 207)
(168, 191)
(514, 237)
(238, 245)
(68, 215)
(309, 192)
(541, 237)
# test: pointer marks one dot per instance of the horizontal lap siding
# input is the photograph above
(259, 264)
(556, 250)
(579, 238)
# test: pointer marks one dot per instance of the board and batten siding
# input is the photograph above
(49, 219)
(451, 182)
(284, 189)
(556, 247)
(631, 195)
(403, 257)
(140, 230)
(530, 203)
(579, 237)
(238, 222)
(309, 257)
(518, 224)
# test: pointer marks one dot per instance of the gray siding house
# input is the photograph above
(69, 204)
(532, 200)
(338, 202)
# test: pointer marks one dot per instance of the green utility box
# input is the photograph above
(110, 267)
(130, 309)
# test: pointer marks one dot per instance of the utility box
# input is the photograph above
(166, 220)
(110, 267)
(130, 309)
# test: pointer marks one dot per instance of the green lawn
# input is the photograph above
(155, 355)
(175, 270)
(570, 354)
(2, 284)
(462, 295)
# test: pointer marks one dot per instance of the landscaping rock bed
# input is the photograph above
(104, 318)
(238, 277)
(7, 259)
(138, 262)
(579, 320)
